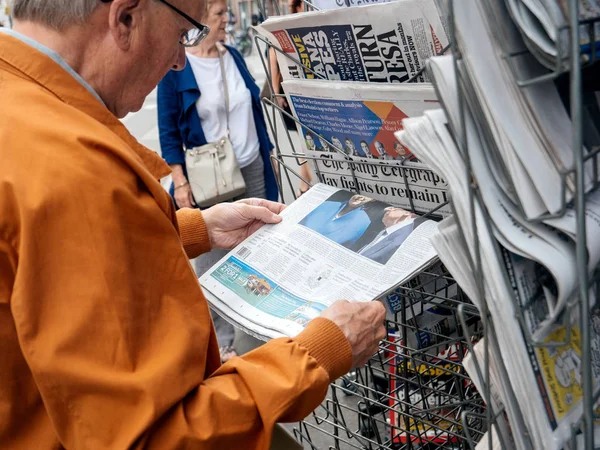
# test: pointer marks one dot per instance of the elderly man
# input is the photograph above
(105, 337)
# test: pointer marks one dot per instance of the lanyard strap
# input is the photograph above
(221, 50)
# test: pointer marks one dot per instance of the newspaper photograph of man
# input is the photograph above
(380, 148)
(400, 150)
(324, 144)
(399, 224)
(350, 148)
(364, 145)
(349, 220)
(337, 143)
(310, 142)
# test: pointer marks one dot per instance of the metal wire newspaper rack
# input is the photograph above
(415, 392)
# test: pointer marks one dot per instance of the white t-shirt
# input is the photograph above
(211, 106)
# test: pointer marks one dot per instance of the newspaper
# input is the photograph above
(332, 244)
(529, 127)
(550, 370)
(474, 365)
(334, 4)
(541, 288)
(544, 253)
(430, 386)
(381, 43)
(348, 130)
(544, 27)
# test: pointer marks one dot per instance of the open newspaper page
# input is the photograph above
(385, 43)
(349, 134)
(332, 244)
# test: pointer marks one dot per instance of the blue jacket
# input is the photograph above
(179, 123)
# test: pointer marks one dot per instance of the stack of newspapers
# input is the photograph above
(350, 76)
(544, 26)
(511, 245)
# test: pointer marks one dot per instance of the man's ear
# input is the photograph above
(123, 17)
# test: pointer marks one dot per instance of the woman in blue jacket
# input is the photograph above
(191, 113)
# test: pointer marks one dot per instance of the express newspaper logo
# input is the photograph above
(352, 52)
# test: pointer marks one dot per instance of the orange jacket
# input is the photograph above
(105, 337)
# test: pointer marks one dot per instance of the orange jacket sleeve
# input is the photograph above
(282, 381)
(193, 232)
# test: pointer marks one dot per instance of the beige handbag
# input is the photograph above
(213, 170)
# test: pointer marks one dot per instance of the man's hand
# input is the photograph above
(229, 224)
(363, 325)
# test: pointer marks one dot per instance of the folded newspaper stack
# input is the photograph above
(499, 434)
(518, 143)
(331, 244)
(348, 130)
(544, 27)
(552, 370)
(528, 128)
(381, 43)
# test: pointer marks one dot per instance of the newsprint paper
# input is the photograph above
(332, 244)
(334, 4)
(348, 130)
(385, 43)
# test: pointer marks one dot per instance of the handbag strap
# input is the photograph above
(222, 50)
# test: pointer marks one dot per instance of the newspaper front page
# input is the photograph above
(385, 43)
(349, 134)
(332, 244)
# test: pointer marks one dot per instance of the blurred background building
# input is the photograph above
(4, 14)
(244, 10)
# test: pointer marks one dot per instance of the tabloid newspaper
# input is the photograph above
(382, 43)
(349, 133)
(332, 244)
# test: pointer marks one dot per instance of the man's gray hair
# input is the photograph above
(56, 14)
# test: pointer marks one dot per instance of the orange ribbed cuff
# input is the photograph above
(193, 232)
(328, 345)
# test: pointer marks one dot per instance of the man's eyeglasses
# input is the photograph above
(189, 38)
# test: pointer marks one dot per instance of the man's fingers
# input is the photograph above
(274, 207)
(263, 214)
(381, 333)
(379, 309)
